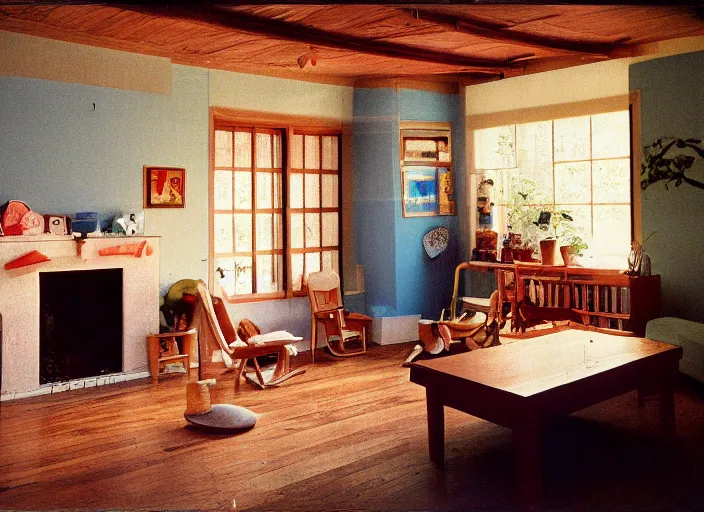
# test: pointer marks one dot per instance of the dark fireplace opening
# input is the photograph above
(80, 332)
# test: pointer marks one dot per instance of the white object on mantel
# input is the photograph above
(19, 301)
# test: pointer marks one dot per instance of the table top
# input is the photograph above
(485, 266)
(531, 366)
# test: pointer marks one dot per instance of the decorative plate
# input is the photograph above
(435, 241)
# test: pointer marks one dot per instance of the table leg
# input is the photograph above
(667, 404)
(153, 356)
(436, 427)
(529, 476)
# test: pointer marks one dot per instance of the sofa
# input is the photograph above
(685, 333)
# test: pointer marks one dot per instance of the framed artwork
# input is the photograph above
(164, 187)
(420, 191)
(427, 191)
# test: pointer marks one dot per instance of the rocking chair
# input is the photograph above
(215, 332)
(326, 308)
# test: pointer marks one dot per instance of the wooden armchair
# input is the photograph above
(215, 332)
(326, 308)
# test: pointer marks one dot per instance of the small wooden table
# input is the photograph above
(153, 348)
(526, 384)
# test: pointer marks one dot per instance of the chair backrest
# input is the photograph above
(324, 291)
(205, 320)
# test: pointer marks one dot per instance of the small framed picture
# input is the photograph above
(164, 187)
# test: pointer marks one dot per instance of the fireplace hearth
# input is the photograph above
(80, 332)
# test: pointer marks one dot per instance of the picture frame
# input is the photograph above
(164, 187)
(420, 191)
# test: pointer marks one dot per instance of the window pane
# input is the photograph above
(572, 183)
(223, 148)
(312, 190)
(243, 232)
(330, 261)
(329, 183)
(263, 150)
(572, 139)
(264, 184)
(243, 275)
(279, 272)
(312, 230)
(264, 232)
(582, 221)
(612, 181)
(330, 237)
(611, 135)
(227, 283)
(494, 148)
(312, 262)
(296, 190)
(534, 144)
(266, 278)
(222, 227)
(243, 190)
(297, 230)
(243, 149)
(278, 231)
(612, 228)
(297, 152)
(330, 153)
(277, 151)
(277, 190)
(297, 271)
(312, 152)
(222, 190)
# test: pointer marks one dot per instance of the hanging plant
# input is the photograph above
(669, 159)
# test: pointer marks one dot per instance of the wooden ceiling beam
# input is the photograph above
(222, 17)
(503, 34)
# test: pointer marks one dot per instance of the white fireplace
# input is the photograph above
(138, 257)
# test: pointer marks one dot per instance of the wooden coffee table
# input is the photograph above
(526, 384)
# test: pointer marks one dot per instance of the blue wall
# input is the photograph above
(59, 154)
(672, 99)
(400, 278)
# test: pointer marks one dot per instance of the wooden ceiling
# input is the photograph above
(343, 42)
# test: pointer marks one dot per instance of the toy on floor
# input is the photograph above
(445, 337)
(214, 418)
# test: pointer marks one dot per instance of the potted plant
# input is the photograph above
(573, 249)
(550, 218)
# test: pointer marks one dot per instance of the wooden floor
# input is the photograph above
(348, 435)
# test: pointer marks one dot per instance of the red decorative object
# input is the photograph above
(30, 258)
(134, 249)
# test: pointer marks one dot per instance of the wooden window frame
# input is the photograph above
(591, 160)
(223, 118)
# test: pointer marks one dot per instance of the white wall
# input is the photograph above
(570, 85)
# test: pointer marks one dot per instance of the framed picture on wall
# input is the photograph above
(164, 187)
(420, 191)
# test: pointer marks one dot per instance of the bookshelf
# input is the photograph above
(606, 299)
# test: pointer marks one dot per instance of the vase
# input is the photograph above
(566, 254)
(547, 251)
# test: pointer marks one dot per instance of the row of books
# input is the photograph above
(601, 298)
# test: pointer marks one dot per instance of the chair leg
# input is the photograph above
(238, 374)
(313, 338)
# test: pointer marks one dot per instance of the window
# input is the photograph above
(580, 165)
(314, 205)
(264, 242)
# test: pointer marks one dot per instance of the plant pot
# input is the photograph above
(566, 254)
(547, 251)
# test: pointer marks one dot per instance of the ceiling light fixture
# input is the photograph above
(306, 58)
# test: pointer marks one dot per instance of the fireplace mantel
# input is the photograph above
(19, 299)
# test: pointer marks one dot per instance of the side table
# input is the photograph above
(153, 350)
